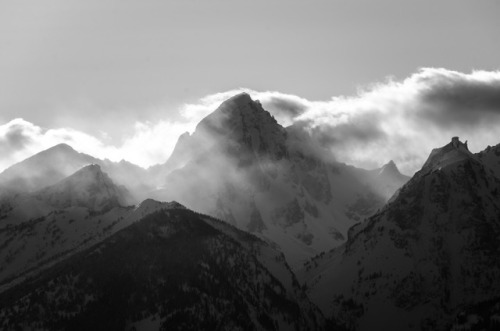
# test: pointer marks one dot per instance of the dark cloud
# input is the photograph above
(285, 106)
(404, 120)
(361, 131)
(15, 137)
(453, 99)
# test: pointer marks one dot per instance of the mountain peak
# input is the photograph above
(242, 122)
(44, 168)
(88, 187)
(451, 153)
(240, 98)
(63, 147)
(389, 168)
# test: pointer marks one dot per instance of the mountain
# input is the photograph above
(242, 166)
(56, 163)
(427, 261)
(89, 187)
(43, 169)
(37, 228)
(388, 180)
(173, 269)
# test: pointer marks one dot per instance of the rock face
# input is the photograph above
(240, 165)
(174, 269)
(426, 259)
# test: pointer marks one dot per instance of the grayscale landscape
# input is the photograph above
(322, 165)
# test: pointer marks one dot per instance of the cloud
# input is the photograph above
(404, 120)
(396, 120)
(391, 120)
(147, 144)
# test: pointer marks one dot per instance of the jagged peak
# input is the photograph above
(452, 152)
(241, 120)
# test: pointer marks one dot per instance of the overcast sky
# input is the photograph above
(122, 79)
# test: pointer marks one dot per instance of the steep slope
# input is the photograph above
(56, 163)
(241, 166)
(38, 227)
(174, 269)
(426, 259)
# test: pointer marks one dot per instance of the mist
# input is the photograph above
(400, 120)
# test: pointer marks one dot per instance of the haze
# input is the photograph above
(123, 79)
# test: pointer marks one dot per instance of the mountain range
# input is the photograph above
(243, 167)
(428, 260)
(264, 229)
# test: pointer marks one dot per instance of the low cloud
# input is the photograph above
(399, 120)
(147, 145)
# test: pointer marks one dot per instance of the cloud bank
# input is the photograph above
(148, 143)
(392, 120)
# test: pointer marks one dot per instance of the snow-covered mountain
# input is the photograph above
(428, 260)
(44, 169)
(242, 166)
(173, 269)
(89, 187)
(56, 163)
(41, 227)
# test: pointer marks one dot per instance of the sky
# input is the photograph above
(372, 80)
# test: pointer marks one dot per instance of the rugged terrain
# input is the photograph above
(428, 260)
(241, 166)
(173, 269)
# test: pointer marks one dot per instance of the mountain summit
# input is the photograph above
(43, 169)
(89, 187)
(453, 152)
(427, 257)
(242, 166)
(244, 123)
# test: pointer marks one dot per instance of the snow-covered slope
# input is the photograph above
(241, 166)
(428, 256)
(174, 269)
(37, 229)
